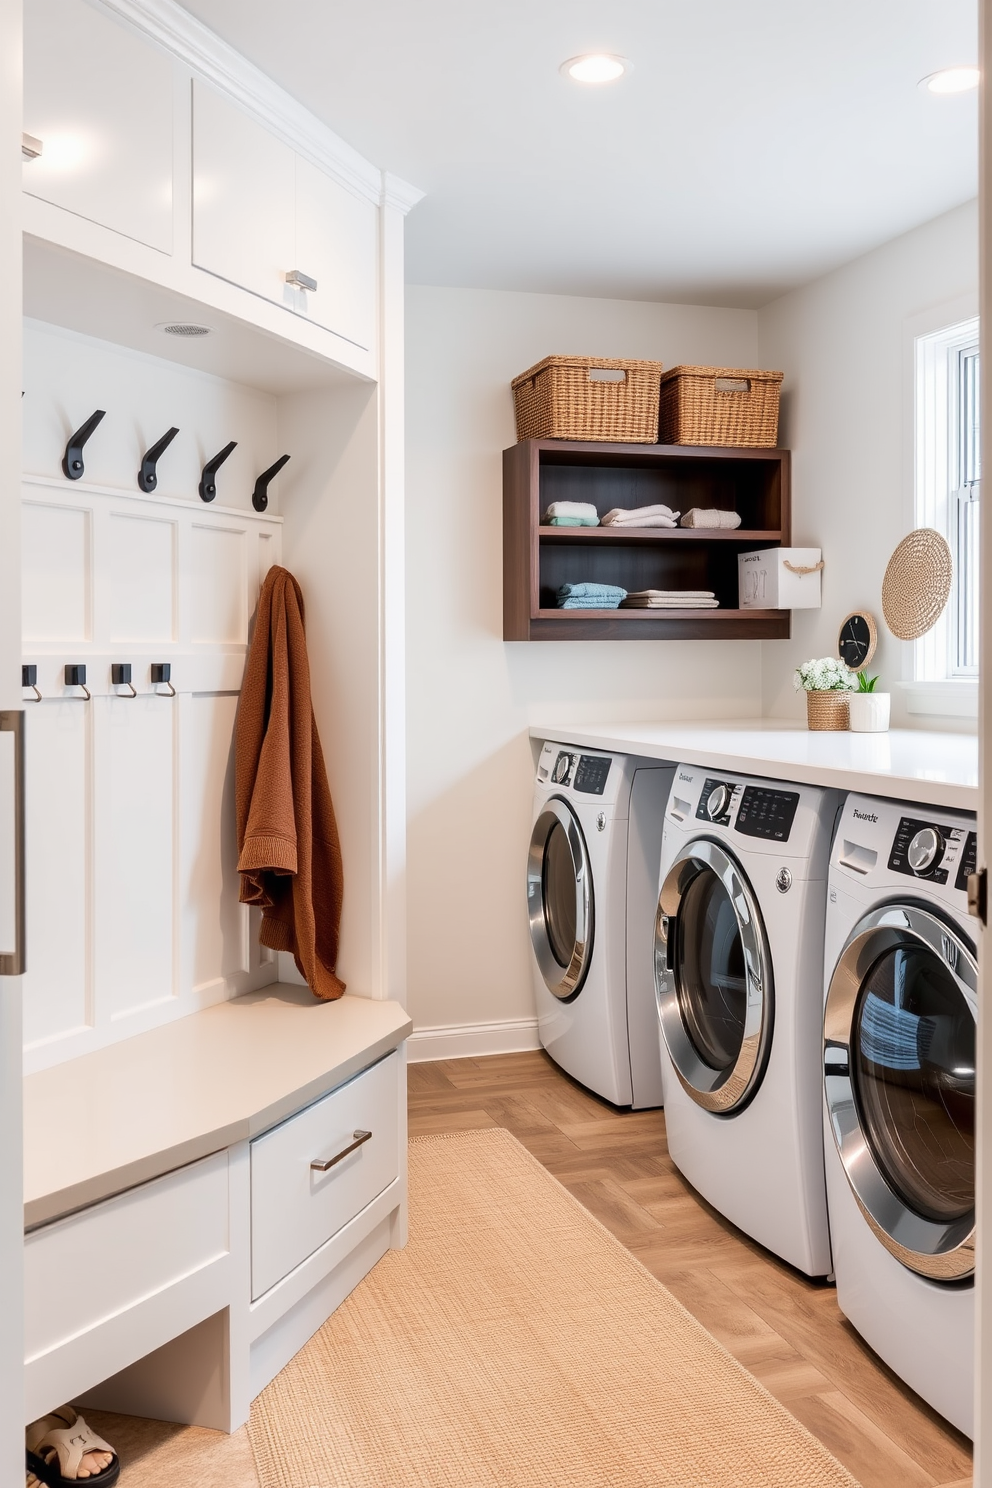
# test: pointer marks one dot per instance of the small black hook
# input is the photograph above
(120, 676)
(162, 675)
(29, 678)
(75, 676)
(260, 495)
(147, 478)
(208, 486)
(72, 460)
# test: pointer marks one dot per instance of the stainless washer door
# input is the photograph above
(899, 1074)
(713, 978)
(560, 899)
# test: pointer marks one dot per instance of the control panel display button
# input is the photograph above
(591, 774)
(767, 813)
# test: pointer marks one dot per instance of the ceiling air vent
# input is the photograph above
(187, 328)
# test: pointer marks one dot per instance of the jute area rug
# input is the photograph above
(516, 1343)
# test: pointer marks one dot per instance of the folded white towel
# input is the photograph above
(637, 514)
(710, 517)
(669, 604)
(644, 522)
(671, 594)
(572, 509)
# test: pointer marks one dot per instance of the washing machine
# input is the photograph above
(899, 1086)
(738, 977)
(592, 874)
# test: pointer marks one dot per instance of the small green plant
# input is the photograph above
(866, 683)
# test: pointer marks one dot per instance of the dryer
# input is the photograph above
(592, 874)
(899, 1086)
(738, 972)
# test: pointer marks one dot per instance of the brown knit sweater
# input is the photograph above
(289, 855)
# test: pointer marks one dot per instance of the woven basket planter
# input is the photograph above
(828, 710)
(597, 398)
(719, 405)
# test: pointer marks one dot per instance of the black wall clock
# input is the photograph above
(857, 640)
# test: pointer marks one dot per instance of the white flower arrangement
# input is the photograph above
(826, 675)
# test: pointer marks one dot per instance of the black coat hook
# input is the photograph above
(29, 678)
(260, 495)
(147, 478)
(120, 676)
(208, 486)
(75, 676)
(72, 460)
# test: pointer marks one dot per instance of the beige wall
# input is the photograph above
(845, 344)
(471, 696)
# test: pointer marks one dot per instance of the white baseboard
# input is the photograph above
(473, 1040)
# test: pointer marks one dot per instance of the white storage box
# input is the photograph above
(779, 579)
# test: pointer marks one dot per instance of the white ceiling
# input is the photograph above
(754, 145)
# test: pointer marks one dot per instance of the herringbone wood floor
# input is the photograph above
(785, 1329)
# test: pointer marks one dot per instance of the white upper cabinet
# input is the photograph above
(261, 212)
(244, 200)
(336, 245)
(101, 101)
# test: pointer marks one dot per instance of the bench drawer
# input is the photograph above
(294, 1207)
(84, 1271)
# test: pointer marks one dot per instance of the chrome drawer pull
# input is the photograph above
(321, 1164)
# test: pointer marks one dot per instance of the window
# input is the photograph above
(948, 488)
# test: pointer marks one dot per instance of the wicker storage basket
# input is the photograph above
(588, 398)
(828, 710)
(719, 405)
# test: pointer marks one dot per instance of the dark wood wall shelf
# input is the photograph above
(537, 559)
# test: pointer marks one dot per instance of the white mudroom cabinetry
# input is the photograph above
(202, 1078)
(99, 105)
(261, 213)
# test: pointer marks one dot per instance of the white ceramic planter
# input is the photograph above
(869, 712)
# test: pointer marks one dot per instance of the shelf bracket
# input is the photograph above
(260, 495)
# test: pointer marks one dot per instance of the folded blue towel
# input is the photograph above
(590, 596)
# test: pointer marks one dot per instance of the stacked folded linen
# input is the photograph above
(710, 517)
(571, 514)
(641, 516)
(590, 596)
(671, 599)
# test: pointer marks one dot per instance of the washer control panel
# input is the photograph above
(591, 774)
(969, 862)
(569, 769)
(765, 812)
(930, 850)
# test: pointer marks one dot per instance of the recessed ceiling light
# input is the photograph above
(595, 67)
(951, 80)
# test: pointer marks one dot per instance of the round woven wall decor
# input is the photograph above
(917, 584)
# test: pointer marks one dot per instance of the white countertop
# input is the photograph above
(929, 768)
(108, 1120)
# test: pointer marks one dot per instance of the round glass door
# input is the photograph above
(899, 1067)
(713, 979)
(559, 899)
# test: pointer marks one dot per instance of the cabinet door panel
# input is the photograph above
(336, 245)
(243, 198)
(101, 101)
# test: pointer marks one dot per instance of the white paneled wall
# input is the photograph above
(132, 875)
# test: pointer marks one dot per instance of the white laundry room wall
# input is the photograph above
(472, 696)
(845, 344)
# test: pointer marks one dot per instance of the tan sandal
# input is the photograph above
(56, 1446)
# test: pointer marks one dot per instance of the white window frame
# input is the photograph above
(942, 679)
